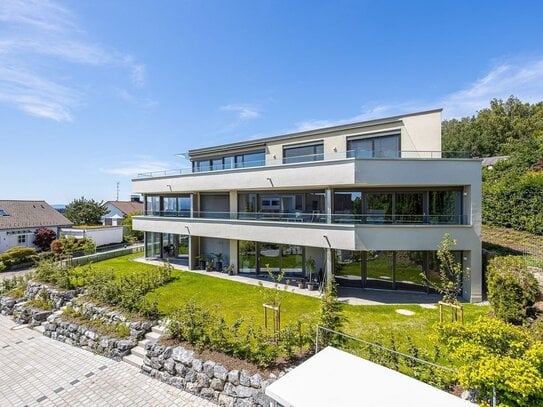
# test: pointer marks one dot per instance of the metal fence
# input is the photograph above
(79, 261)
(411, 364)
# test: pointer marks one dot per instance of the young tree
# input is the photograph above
(85, 211)
(450, 272)
(43, 238)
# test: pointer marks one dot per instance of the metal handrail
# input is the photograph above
(319, 217)
(328, 156)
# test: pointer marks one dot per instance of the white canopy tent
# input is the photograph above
(336, 378)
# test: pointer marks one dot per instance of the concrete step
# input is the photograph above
(133, 360)
(158, 330)
(152, 335)
(138, 351)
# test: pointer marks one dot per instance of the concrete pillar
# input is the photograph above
(328, 201)
(233, 204)
(473, 278)
(234, 254)
(329, 267)
(194, 252)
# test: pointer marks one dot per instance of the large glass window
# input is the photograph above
(347, 207)
(247, 207)
(247, 256)
(152, 244)
(270, 257)
(313, 152)
(378, 207)
(253, 159)
(410, 270)
(292, 259)
(379, 269)
(348, 267)
(446, 207)
(152, 205)
(409, 207)
(368, 147)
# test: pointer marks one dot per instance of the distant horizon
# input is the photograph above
(87, 102)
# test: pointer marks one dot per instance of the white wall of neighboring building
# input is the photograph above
(10, 238)
(113, 210)
(100, 236)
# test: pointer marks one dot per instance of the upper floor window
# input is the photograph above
(370, 147)
(300, 154)
(250, 159)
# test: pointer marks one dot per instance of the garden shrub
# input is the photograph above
(61, 274)
(3, 267)
(43, 238)
(205, 329)
(17, 255)
(128, 291)
(71, 246)
(495, 354)
(511, 288)
(15, 286)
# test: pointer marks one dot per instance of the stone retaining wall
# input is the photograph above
(58, 297)
(24, 314)
(7, 304)
(83, 337)
(178, 367)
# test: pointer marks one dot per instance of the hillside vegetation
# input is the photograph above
(512, 189)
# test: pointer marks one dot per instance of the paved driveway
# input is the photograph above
(38, 371)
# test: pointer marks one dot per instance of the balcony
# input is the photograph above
(301, 217)
(333, 156)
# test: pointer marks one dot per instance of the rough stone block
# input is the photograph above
(209, 368)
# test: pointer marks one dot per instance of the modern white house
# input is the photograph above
(20, 219)
(118, 210)
(369, 202)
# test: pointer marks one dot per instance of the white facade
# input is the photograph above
(20, 237)
(377, 193)
(100, 236)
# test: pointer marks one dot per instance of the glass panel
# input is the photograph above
(347, 207)
(303, 154)
(446, 207)
(269, 257)
(315, 207)
(388, 146)
(183, 245)
(247, 256)
(362, 148)
(255, 159)
(183, 206)
(379, 207)
(247, 206)
(348, 268)
(152, 244)
(270, 203)
(228, 162)
(409, 207)
(409, 270)
(153, 205)
(379, 269)
(216, 164)
(170, 206)
(202, 165)
(292, 259)
(433, 265)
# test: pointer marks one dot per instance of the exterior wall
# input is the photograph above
(100, 236)
(113, 210)
(7, 241)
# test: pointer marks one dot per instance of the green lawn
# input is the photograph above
(234, 300)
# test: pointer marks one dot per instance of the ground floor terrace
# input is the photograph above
(394, 270)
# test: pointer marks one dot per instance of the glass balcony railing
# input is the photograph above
(317, 217)
(313, 158)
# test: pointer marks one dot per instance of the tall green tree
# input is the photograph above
(85, 211)
(130, 232)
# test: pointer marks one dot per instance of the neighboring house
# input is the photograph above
(101, 236)
(119, 209)
(20, 219)
(368, 201)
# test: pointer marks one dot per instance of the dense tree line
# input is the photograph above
(512, 189)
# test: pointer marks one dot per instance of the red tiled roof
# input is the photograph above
(127, 207)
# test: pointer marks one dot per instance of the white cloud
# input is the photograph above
(141, 164)
(523, 79)
(43, 31)
(244, 111)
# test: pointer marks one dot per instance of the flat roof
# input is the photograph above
(336, 378)
(342, 127)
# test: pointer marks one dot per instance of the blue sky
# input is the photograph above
(94, 91)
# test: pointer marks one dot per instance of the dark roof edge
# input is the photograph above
(262, 141)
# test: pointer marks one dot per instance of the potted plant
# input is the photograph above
(201, 262)
(301, 283)
(311, 266)
(209, 263)
(218, 264)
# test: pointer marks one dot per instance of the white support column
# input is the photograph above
(473, 279)
(329, 265)
(234, 254)
(233, 204)
(328, 194)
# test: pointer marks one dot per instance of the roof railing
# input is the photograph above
(328, 156)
